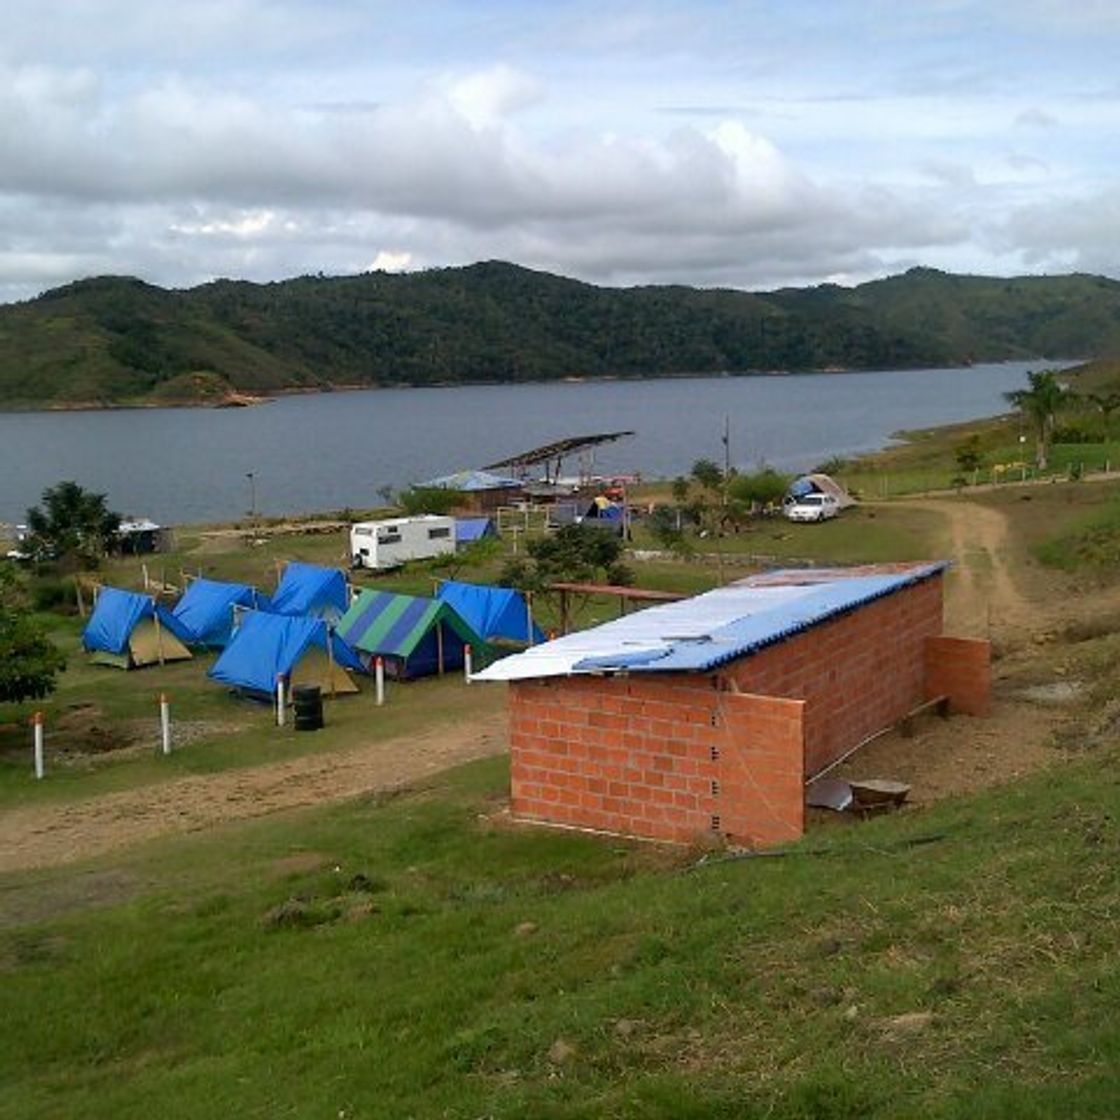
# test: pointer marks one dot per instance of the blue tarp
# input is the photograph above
(492, 612)
(471, 529)
(307, 589)
(115, 617)
(206, 610)
(267, 645)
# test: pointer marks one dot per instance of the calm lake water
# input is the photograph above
(334, 450)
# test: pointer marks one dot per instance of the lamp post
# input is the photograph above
(252, 502)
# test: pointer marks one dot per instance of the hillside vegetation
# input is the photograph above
(118, 340)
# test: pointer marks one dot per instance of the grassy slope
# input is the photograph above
(156, 985)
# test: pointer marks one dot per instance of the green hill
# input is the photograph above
(117, 340)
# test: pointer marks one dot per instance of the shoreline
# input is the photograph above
(247, 399)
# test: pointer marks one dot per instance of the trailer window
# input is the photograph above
(389, 536)
(436, 534)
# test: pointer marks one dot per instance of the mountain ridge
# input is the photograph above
(118, 340)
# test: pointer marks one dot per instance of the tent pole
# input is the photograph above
(528, 618)
(159, 637)
(330, 659)
(439, 646)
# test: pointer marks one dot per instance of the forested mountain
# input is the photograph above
(118, 340)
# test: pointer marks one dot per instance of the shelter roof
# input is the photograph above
(555, 450)
(470, 482)
(707, 631)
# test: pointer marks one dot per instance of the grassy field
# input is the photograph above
(415, 957)
(414, 954)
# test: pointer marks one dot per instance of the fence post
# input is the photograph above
(379, 678)
(165, 722)
(281, 701)
(467, 663)
(37, 732)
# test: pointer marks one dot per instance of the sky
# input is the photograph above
(720, 143)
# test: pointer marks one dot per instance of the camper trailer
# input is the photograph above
(387, 544)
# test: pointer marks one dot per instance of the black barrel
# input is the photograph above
(307, 703)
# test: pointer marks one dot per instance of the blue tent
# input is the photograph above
(307, 589)
(206, 610)
(495, 613)
(471, 529)
(128, 630)
(304, 650)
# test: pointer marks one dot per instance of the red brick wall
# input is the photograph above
(640, 754)
(960, 668)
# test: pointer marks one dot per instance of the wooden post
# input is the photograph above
(564, 612)
(37, 734)
(165, 722)
(467, 663)
(159, 636)
(439, 647)
(528, 618)
(379, 678)
(330, 661)
(281, 700)
(79, 598)
(144, 573)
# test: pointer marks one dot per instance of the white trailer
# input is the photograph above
(387, 544)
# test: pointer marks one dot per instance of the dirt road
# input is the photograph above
(42, 836)
(982, 596)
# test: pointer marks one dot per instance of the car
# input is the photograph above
(813, 507)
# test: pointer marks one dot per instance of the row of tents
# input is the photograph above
(310, 630)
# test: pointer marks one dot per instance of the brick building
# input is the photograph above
(708, 716)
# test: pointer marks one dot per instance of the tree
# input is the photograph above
(72, 527)
(428, 499)
(763, 488)
(1107, 404)
(28, 660)
(969, 460)
(1039, 403)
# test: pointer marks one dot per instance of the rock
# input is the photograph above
(561, 1052)
(910, 1023)
(525, 929)
(627, 1028)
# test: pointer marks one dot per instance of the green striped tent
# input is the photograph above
(416, 637)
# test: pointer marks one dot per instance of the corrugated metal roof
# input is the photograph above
(703, 633)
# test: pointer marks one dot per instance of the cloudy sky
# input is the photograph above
(741, 143)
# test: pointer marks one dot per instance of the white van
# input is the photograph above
(388, 544)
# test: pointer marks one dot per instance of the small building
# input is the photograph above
(707, 717)
(381, 545)
(479, 491)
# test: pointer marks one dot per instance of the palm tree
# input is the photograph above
(1039, 403)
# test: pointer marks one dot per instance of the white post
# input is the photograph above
(379, 677)
(467, 663)
(165, 722)
(280, 700)
(37, 727)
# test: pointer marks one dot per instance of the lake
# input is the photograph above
(333, 450)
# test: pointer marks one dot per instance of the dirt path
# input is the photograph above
(42, 836)
(983, 599)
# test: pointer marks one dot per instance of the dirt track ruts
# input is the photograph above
(45, 835)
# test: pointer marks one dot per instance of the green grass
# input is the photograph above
(159, 984)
